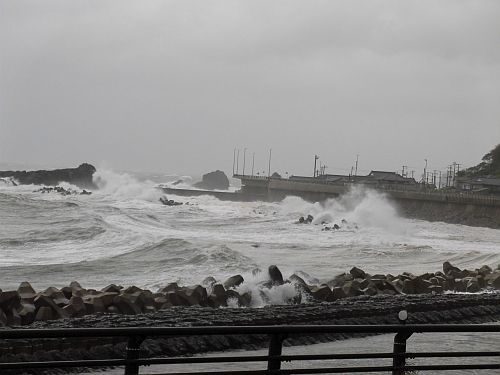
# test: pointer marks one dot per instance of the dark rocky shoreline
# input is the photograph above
(80, 176)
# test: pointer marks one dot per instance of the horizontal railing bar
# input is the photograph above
(56, 364)
(228, 330)
(142, 362)
(238, 359)
(484, 366)
(450, 354)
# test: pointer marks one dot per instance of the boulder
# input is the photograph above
(338, 293)
(216, 180)
(449, 269)
(56, 295)
(300, 285)
(171, 287)
(131, 290)
(3, 318)
(275, 275)
(233, 282)
(484, 270)
(357, 273)
(26, 291)
(322, 293)
(340, 280)
(44, 313)
(67, 292)
(13, 318)
(76, 307)
(125, 304)
(112, 288)
(351, 288)
(27, 313)
(369, 291)
(493, 279)
(195, 295)
(472, 285)
(218, 297)
(45, 301)
(9, 300)
(209, 281)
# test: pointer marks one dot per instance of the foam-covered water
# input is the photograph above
(122, 234)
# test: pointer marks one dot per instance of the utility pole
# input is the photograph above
(356, 171)
(454, 173)
(238, 162)
(424, 179)
(234, 159)
(253, 162)
(316, 157)
(439, 179)
(403, 173)
(244, 159)
(269, 168)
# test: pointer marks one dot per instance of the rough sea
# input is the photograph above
(122, 234)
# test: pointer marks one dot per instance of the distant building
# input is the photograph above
(483, 185)
(379, 179)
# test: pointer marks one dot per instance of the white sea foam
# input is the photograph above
(123, 186)
(360, 206)
(122, 234)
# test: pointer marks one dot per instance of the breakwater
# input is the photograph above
(25, 306)
(453, 208)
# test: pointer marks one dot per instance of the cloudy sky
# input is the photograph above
(175, 86)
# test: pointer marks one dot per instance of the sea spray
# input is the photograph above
(265, 294)
(359, 207)
(123, 186)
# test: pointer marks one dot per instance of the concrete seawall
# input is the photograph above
(454, 208)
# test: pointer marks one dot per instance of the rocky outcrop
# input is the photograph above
(62, 191)
(81, 176)
(216, 180)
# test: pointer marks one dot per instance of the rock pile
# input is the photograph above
(25, 306)
(62, 191)
(169, 202)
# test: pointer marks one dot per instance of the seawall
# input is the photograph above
(450, 208)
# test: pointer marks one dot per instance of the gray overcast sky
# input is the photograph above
(174, 86)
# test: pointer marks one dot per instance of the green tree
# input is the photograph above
(489, 166)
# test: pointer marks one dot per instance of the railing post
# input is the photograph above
(133, 351)
(275, 348)
(399, 351)
(399, 360)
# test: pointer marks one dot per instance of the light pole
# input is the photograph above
(244, 159)
(425, 173)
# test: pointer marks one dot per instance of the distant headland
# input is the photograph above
(80, 176)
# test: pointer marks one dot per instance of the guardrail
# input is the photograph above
(132, 360)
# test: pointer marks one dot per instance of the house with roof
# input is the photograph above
(483, 185)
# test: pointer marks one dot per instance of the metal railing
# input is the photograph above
(132, 360)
